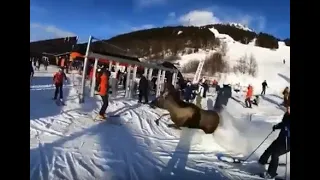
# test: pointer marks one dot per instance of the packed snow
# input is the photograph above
(65, 142)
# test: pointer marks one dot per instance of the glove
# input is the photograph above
(273, 127)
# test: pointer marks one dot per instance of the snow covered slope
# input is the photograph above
(270, 64)
(65, 143)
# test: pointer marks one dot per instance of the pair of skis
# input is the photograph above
(59, 102)
(244, 162)
(110, 119)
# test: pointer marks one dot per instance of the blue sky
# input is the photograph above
(107, 18)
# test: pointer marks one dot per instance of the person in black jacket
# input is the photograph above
(205, 89)
(31, 70)
(143, 89)
(278, 147)
(264, 86)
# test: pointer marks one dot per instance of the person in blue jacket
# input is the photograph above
(278, 147)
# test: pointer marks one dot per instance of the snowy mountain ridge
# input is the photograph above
(240, 26)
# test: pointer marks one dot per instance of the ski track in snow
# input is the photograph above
(70, 145)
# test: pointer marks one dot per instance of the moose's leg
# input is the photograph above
(174, 126)
(157, 120)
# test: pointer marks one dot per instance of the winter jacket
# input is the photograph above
(143, 84)
(103, 87)
(285, 93)
(284, 125)
(187, 92)
(205, 89)
(59, 77)
(264, 85)
(249, 92)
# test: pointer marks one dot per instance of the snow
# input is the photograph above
(65, 143)
(270, 64)
(240, 26)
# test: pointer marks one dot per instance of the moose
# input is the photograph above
(184, 114)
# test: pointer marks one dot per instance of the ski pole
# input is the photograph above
(258, 147)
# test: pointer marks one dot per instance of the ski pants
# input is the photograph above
(105, 103)
(58, 90)
(275, 150)
(144, 94)
(263, 92)
(248, 102)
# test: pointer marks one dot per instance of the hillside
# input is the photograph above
(157, 43)
(234, 62)
(232, 53)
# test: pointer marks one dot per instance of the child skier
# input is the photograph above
(58, 79)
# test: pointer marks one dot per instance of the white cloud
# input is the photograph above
(146, 26)
(222, 15)
(198, 18)
(40, 32)
(147, 3)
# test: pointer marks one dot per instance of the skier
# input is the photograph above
(124, 80)
(227, 94)
(248, 96)
(256, 100)
(264, 86)
(38, 63)
(187, 92)
(58, 79)
(143, 89)
(104, 93)
(45, 63)
(205, 88)
(199, 94)
(31, 70)
(34, 62)
(278, 147)
(285, 96)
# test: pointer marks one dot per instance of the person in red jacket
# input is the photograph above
(58, 79)
(103, 91)
(248, 96)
